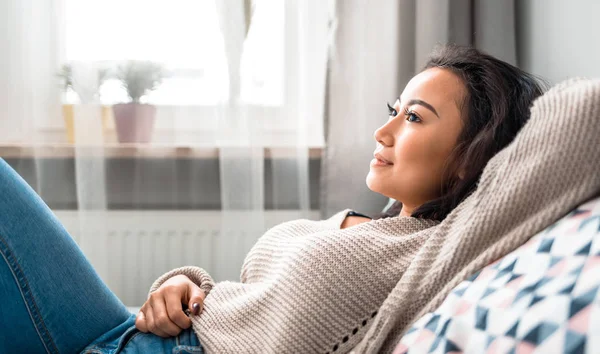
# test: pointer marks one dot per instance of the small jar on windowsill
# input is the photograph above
(68, 112)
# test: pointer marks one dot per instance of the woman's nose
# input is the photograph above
(384, 136)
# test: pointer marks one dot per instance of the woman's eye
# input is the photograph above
(392, 110)
(411, 117)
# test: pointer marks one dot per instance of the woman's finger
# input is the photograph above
(196, 296)
(161, 317)
(140, 322)
(152, 327)
(175, 310)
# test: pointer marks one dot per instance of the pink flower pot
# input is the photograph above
(134, 122)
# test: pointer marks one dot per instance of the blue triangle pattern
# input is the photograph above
(554, 260)
(585, 250)
(546, 330)
(543, 281)
(525, 291)
(460, 292)
(512, 332)
(451, 347)
(481, 318)
(579, 302)
(487, 292)
(513, 277)
(511, 266)
(589, 220)
(545, 245)
(502, 273)
(540, 332)
(433, 322)
(576, 271)
(444, 327)
(435, 344)
(574, 342)
(489, 340)
(521, 294)
(536, 299)
(568, 289)
(578, 212)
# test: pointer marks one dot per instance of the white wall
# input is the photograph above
(558, 39)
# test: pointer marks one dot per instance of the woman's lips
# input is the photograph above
(379, 163)
(381, 160)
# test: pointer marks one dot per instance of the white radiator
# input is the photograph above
(130, 249)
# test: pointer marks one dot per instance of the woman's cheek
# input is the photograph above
(420, 158)
(412, 148)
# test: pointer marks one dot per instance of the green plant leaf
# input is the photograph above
(140, 78)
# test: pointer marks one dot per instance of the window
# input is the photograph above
(193, 40)
(183, 35)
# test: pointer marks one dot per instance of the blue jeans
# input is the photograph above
(51, 298)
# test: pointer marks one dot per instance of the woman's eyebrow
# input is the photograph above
(422, 103)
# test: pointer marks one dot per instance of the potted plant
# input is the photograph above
(134, 120)
(71, 95)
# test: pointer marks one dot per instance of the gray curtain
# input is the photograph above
(379, 45)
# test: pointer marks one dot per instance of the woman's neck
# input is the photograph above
(406, 210)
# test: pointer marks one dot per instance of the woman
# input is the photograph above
(307, 286)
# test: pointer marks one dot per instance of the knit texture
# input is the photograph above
(197, 275)
(309, 287)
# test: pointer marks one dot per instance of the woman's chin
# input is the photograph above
(379, 184)
(373, 182)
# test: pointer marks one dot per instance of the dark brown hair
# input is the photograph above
(499, 96)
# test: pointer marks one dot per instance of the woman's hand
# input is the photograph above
(163, 315)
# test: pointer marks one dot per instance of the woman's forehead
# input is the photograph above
(441, 88)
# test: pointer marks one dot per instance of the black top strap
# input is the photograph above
(353, 213)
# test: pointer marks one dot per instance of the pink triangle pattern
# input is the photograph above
(524, 348)
(400, 349)
(593, 262)
(580, 322)
(507, 301)
(462, 307)
(515, 283)
(426, 336)
(486, 274)
(557, 269)
(500, 345)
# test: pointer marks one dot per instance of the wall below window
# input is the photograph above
(559, 39)
(163, 184)
(130, 249)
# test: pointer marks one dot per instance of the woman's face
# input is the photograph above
(414, 144)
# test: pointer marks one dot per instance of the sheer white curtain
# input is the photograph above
(239, 114)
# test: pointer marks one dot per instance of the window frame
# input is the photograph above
(290, 124)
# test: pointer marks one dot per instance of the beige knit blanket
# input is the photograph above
(309, 287)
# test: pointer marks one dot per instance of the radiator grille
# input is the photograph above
(130, 249)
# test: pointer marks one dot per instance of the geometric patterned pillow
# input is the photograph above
(541, 298)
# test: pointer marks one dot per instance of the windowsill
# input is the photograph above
(134, 150)
(158, 177)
